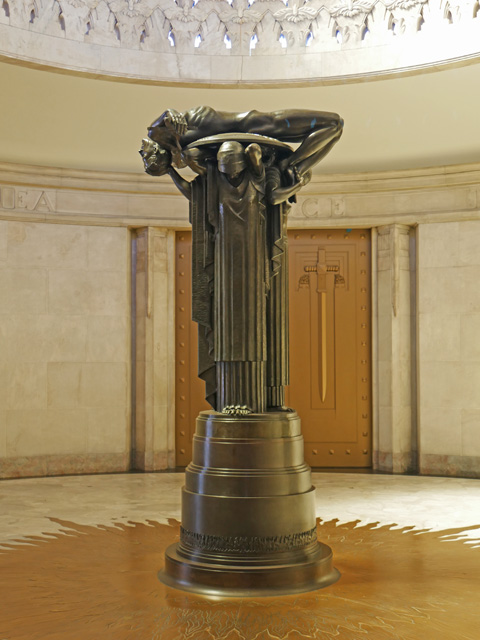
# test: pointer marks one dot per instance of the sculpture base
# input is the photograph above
(249, 579)
(248, 511)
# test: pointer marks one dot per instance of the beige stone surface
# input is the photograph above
(160, 436)
(3, 432)
(469, 284)
(441, 430)
(65, 431)
(441, 336)
(27, 386)
(440, 246)
(3, 241)
(26, 430)
(64, 346)
(402, 434)
(43, 338)
(385, 419)
(448, 340)
(64, 384)
(469, 336)
(384, 368)
(470, 422)
(441, 384)
(4, 377)
(104, 384)
(469, 243)
(442, 290)
(470, 393)
(108, 339)
(107, 249)
(108, 429)
(23, 290)
(87, 292)
(47, 245)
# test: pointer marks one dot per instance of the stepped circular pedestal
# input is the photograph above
(248, 511)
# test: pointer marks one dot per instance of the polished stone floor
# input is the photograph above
(79, 557)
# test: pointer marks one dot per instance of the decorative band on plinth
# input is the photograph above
(211, 424)
(247, 544)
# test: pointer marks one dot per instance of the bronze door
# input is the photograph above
(189, 389)
(330, 362)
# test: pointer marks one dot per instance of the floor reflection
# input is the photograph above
(90, 582)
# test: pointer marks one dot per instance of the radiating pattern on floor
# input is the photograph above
(89, 582)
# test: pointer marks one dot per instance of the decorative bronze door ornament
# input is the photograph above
(248, 516)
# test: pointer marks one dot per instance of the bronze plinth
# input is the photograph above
(248, 516)
(248, 512)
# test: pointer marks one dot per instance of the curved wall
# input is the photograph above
(64, 224)
(66, 315)
(53, 119)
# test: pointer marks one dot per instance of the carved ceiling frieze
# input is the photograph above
(235, 27)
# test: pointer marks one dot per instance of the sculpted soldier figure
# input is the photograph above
(238, 210)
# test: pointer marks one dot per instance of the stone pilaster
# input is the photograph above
(394, 429)
(154, 350)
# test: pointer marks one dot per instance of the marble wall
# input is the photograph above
(64, 348)
(72, 398)
(449, 348)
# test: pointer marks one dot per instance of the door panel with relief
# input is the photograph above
(329, 347)
(330, 366)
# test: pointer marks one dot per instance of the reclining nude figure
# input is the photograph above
(316, 131)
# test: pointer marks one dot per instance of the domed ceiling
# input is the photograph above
(246, 42)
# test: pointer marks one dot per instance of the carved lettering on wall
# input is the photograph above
(310, 207)
(43, 203)
(7, 200)
(338, 207)
(27, 199)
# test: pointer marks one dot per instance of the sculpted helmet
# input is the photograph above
(231, 157)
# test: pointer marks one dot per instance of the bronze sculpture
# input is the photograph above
(238, 214)
(248, 518)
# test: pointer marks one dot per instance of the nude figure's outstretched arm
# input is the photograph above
(282, 194)
(182, 185)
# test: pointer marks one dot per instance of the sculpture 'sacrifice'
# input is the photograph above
(248, 507)
(247, 175)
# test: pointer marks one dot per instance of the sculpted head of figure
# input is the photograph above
(156, 160)
(231, 158)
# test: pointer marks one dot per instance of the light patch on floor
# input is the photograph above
(90, 577)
